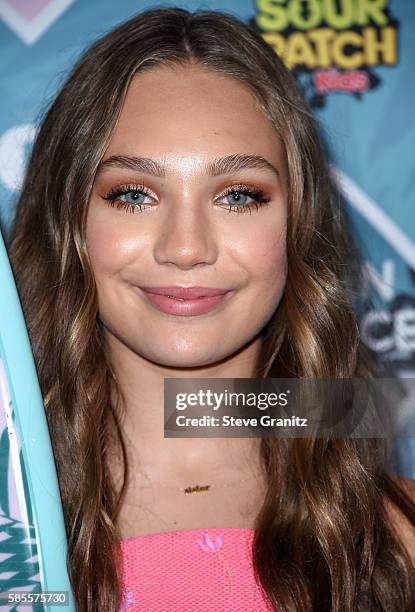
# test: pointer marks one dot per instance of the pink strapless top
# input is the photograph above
(195, 570)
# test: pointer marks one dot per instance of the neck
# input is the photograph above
(179, 460)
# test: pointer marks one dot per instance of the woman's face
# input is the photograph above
(191, 192)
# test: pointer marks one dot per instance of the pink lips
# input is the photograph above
(185, 301)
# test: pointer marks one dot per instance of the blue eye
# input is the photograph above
(242, 199)
(132, 197)
(237, 198)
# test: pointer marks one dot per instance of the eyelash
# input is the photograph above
(259, 198)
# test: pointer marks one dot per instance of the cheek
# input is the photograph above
(110, 247)
(271, 272)
(264, 251)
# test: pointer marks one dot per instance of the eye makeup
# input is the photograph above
(127, 197)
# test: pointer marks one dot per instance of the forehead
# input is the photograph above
(192, 111)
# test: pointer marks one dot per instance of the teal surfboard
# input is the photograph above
(33, 544)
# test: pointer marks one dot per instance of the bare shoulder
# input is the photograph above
(403, 527)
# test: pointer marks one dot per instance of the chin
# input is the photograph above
(188, 360)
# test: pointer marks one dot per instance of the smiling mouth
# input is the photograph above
(185, 306)
(186, 293)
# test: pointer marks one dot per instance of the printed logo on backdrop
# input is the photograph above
(29, 20)
(331, 46)
(388, 329)
(15, 143)
(15, 146)
(387, 325)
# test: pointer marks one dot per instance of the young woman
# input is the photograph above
(191, 123)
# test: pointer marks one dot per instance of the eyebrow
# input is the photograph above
(216, 167)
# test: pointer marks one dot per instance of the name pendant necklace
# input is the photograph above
(195, 488)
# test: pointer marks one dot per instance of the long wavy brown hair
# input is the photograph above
(323, 537)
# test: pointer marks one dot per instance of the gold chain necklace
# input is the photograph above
(194, 488)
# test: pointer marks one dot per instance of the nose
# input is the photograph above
(186, 237)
